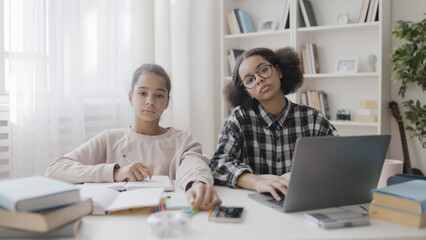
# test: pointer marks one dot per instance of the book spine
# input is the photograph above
(238, 20)
(310, 13)
(316, 59)
(230, 23)
(363, 12)
(304, 14)
(235, 22)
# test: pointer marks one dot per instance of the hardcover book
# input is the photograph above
(69, 230)
(245, 20)
(409, 196)
(36, 193)
(397, 216)
(47, 220)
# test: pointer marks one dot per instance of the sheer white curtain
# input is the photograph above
(70, 63)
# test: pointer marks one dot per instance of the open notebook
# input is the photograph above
(155, 182)
(106, 200)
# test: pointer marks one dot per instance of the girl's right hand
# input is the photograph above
(275, 186)
(136, 171)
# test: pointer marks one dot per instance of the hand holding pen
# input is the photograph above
(135, 171)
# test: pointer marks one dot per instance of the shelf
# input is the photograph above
(340, 75)
(352, 123)
(257, 34)
(340, 28)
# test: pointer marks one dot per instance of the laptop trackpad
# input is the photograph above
(268, 200)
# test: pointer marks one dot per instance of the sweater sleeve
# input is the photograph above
(86, 163)
(193, 165)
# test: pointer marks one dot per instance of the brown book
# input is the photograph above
(304, 61)
(397, 216)
(315, 101)
(45, 221)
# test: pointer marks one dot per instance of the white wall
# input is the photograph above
(412, 10)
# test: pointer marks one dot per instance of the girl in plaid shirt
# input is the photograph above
(259, 135)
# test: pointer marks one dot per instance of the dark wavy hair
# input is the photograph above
(287, 59)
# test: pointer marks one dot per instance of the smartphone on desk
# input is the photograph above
(338, 219)
(226, 214)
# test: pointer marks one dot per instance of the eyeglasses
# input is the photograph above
(265, 71)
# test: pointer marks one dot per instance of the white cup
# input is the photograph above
(390, 168)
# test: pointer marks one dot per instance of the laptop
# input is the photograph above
(331, 172)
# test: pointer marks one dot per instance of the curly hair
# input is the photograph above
(287, 59)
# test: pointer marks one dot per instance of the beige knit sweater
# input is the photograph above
(175, 153)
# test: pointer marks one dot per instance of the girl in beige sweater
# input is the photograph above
(152, 149)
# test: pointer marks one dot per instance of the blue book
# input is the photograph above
(36, 193)
(408, 196)
(245, 20)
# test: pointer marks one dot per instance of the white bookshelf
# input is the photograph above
(345, 91)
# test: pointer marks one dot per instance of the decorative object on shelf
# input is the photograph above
(267, 25)
(409, 66)
(343, 19)
(372, 59)
(343, 114)
(367, 112)
(347, 65)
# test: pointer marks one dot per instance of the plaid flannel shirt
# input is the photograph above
(255, 141)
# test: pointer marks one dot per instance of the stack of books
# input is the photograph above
(310, 61)
(402, 203)
(317, 100)
(239, 21)
(40, 207)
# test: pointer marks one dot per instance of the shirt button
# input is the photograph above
(278, 160)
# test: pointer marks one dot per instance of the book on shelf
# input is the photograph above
(325, 108)
(409, 196)
(310, 12)
(67, 231)
(364, 11)
(46, 220)
(397, 216)
(375, 14)
(314, 99)
(304, 57)
(155, 182)
(372, 10)
(245, 20)
(235, 13)
(36, 193)
(285, 23)
(315, 60)
(232, 57)
(230, 23)
(307, 12)
(234, 28)
(106, 200)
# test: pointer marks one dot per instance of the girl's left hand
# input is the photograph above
(202, 196)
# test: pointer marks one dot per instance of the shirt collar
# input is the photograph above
(269, 119)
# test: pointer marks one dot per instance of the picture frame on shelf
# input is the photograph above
(268, 24)
(347, 65)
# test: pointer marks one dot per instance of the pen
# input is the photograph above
(125, 157)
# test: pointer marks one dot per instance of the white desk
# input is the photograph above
(260, 222)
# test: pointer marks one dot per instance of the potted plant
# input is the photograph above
(409, 63)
